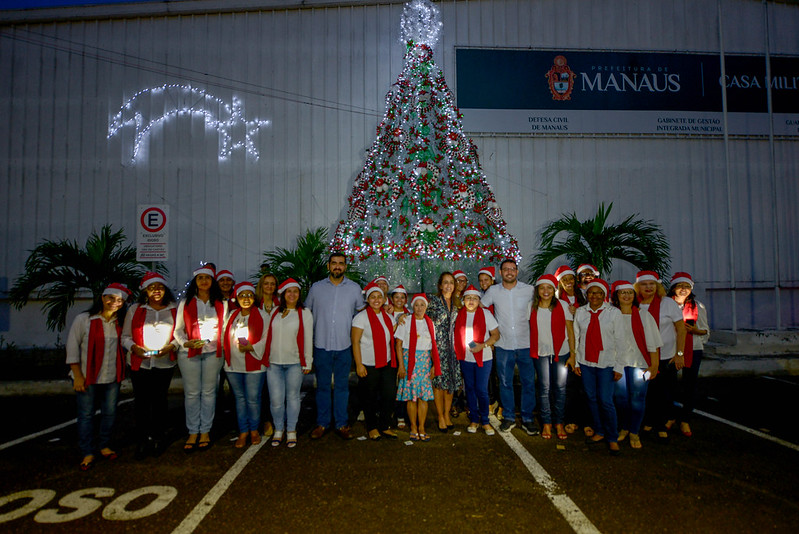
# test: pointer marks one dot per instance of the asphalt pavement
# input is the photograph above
(737, 473)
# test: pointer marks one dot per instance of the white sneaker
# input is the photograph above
(472, 429)
(489, 430)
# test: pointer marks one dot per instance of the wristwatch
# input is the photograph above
(679, 353)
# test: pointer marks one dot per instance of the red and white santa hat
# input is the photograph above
(380, 279)
(119, 290)
(419, 296)
(399, 289)
(459, 274)
(370, 288)
(205, 269)
(490, 271)
(471, 290)
(601, 284)
(562, 271)
(682, 277)
(644, 276)
(547, 279)
(585, 266)
(289, 282)
(620, 284)
(243, 286)
(151, 278)
(224, 273)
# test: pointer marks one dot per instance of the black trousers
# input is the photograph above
(151, 407)
(660, 396)
(378, 392)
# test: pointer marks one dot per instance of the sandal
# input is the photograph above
(401, 423)
(670, 423)
(546, 431)
(685, 430)
(424, 437)
(268, 429)
(110, 455)
(588, 431)
(414, 436)
(277, 437)
(374, 435)
(255, 437)
(623, 435)
(241, 441)
(489, 430)
(388, 433)
(204, 444)
(635, 441)
(561, 432)
(191, 444)
(291, 440)
(87, 463)
(571, 428)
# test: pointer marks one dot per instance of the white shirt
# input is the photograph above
(284, 349)
(545, 341)
(491, 324)
(670, 313)
(239, 328)
(208, 322)
(628, 353)
(78, 347)
(367, 343)
(512, 309)
(157, 330)
(423, 340)
(701, 324)
(609, 325)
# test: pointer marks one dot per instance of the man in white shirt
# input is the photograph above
(511, 300)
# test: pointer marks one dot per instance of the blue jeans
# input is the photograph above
(475, 382)
(551, 388)
(335, 364)
(284, 394)
(630, 398)
(106, 395)
(507, 360)
(200, 378)
(247, 392)
(598, 384)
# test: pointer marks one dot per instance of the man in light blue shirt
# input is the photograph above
(512, 300)
(333, 302)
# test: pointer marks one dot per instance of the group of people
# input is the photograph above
(588, 350)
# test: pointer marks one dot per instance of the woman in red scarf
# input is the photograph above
(476, 331)
(147, 336)
(375, 363)
(244, 342)
(552, 349)
(596, 327)
(94, 356)
(416, 341)
(267, 299)
(289, 356)
(198, 332)
(697, 330)
(638, 342)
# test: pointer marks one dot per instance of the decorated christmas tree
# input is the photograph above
(422, 194)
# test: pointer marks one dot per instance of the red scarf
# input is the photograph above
(638, 334)
(137, 327)
(255, 329)
(193, 325)
(412, 347)
(96, 351)
(478, 333)
(379, 338)
(593, 337)
(690, 312)
(562, 295)
(654, 311)
(300, 338)
(557, 327)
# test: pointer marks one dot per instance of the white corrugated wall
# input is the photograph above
(320, 75)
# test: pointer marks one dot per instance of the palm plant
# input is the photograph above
(58, 271)
(306, 262)
(634, 240)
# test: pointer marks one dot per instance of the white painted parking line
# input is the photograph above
(748, 430)
(780, 380)
(48, 430)
(207, 503)
(563, 503)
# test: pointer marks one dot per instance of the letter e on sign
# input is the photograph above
(153, 219)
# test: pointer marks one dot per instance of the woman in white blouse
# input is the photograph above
(596, 327)
(94, 356)
(198, 333)
(697, 331)
(147, 336)
(373, 349)
(244, 342)
(637, 345)
(289, 356)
